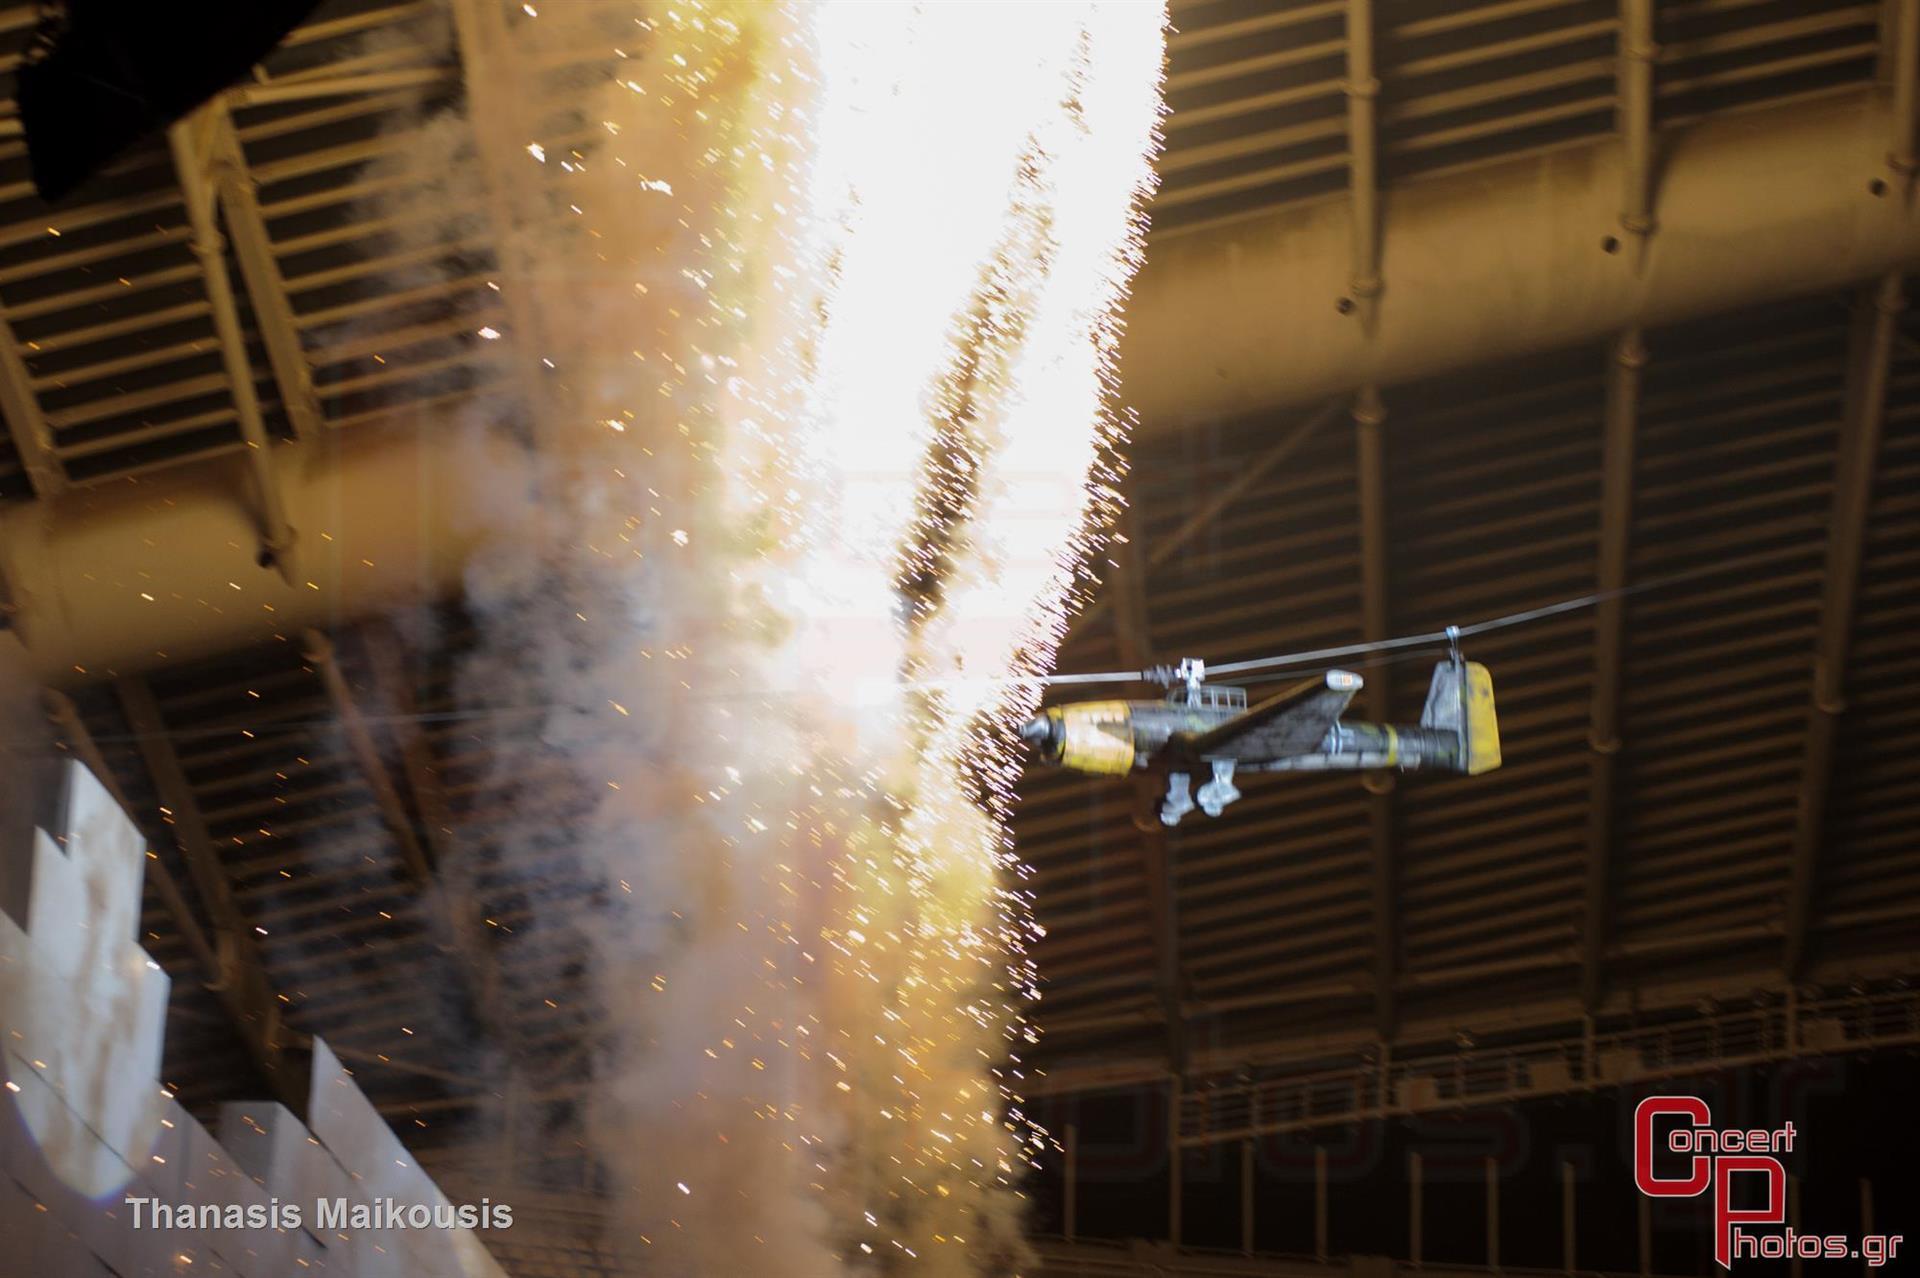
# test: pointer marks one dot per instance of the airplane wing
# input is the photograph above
(1293, 723)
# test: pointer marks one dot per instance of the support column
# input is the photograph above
(1369, 419)
(1363, 165)
(1133, 636)
(1320, 1201)
(1246, 1198)
(1175, 1163)
(1629, 358)
(1637, 55)
(1416, 1191)
(1870, 360)
(1567, 1249)
(1901, 39)
(1493, 1215)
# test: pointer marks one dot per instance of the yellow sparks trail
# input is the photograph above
(829, 296)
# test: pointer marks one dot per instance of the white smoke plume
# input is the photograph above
(817, 304)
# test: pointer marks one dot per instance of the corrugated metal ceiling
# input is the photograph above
(1493, 502)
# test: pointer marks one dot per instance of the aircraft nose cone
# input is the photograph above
(1044, 735)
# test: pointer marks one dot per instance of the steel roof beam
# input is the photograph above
(1900, 46)
(1509, 258)
(336, 86)
(366, 757)
(188, 141)
(465, 913)
(1133, 634)
(1369, 419)
(1220, 324)
(26, 421)
(1524, 1015)
(403, 509)
(243, 986)
(253, 248)
(1165, 548)
(1869, 364)
(1637, 56)
(1363, 165)
(386, 659)
(1887, 1033)
(382, 1060)
(1628, 357)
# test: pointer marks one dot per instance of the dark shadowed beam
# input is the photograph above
(366, 756)
(1637, 58)
(1364, 284)
(386, 658)
(465, 916)
(242, 985)
(1624, 372)
(1133, 634)
(1165, 548)
(26, 421)
(1869, 362)
(1369, 420)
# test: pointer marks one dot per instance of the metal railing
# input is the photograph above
(1212, 1112)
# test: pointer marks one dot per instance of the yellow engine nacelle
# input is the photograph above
(1096, 736)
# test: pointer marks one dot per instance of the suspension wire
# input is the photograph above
(1378, 662)
(1408, 646)
(1443, 639)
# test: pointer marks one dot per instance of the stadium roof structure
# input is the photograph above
(1451, 310)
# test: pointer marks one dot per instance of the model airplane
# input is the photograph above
(1202, 728)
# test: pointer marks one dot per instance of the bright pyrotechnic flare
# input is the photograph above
(829, 297)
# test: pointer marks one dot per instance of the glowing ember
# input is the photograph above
(842, 280)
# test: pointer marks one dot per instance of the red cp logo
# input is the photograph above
(1689, 1107)
(1717, 1168)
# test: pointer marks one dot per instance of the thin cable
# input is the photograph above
(1379, 662)
(1431, 638)
(1438, 639)
(1329, 654)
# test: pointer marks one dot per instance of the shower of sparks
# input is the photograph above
(833, 294)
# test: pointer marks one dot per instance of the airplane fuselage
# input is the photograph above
(1211, 731)
(1116, 737)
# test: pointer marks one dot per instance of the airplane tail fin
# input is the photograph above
(1460, 701)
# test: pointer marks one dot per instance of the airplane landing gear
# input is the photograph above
(1179, 800)
(1216, 794)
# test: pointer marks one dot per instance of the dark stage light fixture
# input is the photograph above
(102, 74)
